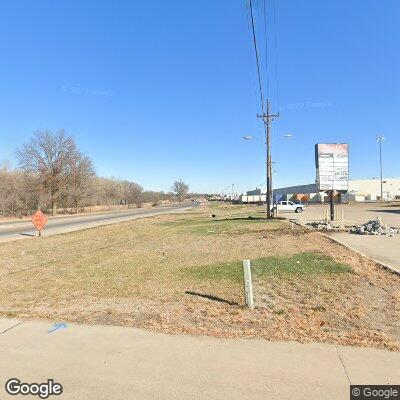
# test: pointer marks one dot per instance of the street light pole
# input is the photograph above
(268, 118)
(379, 139)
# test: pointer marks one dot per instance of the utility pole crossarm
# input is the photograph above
(267, 118)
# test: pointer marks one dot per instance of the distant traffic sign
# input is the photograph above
(39, 220)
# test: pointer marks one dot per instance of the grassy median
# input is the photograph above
(273, 266)
(182, 274)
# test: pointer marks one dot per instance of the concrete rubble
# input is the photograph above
(375, 227)
(328, 226)
(321, 225)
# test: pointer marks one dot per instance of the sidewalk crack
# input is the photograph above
(344, 367)
(11, 327)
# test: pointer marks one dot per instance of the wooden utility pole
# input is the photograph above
(268, 118)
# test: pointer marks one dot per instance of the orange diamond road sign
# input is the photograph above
(39, 220)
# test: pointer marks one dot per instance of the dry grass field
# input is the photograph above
(182, 274)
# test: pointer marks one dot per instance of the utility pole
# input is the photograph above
(268, 118)
(379, 139)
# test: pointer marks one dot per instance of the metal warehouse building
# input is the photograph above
(359, 190)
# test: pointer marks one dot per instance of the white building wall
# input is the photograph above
(372, 187)
(359, 190)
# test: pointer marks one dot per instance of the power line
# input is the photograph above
(257, 57)
(276, 57)
(271, 51)
(266, 47)
(267, 117)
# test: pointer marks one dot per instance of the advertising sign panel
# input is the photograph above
(332, 164)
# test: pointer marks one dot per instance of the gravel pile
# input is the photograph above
(375, 227)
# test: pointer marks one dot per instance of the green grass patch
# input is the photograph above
(231, 225)
(225, 206)
(297, 264)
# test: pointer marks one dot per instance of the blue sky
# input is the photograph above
(160, 90)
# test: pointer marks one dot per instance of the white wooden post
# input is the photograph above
(248, 285)
(342, 214)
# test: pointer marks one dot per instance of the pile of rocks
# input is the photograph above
(321, 225)
(375, 227)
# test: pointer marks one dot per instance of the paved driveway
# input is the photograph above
(94, 362)
(381, 248)
(355, 213)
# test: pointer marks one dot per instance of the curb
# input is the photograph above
(385, 266)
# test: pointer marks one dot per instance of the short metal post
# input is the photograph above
(248, 285)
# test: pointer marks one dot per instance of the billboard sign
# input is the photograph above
(332, 164)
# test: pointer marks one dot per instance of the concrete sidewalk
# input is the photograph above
(382, 249)
(95, 362)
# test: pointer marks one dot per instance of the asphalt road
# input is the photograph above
(18, 229)
(112, 363)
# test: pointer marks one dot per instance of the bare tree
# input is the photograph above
(51, 158)
(131, 193)
(105, 191)
(79, 180)
(16, 194)
(180, 189)
(53, 172)
(21, 191)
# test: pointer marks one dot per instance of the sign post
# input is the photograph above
(248, 285)
(39, 220)
(332, 166)
(331, 205)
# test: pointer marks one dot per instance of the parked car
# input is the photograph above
(283, 206)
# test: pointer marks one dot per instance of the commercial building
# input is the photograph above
(359, 191)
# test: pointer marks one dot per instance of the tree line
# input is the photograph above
(54, 174)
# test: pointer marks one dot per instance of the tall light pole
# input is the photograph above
(379, 139)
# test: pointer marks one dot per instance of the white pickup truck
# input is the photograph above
(283, 206)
